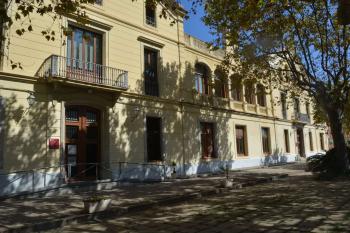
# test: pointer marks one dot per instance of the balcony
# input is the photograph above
(302, 117)
(203, 47)
(78, 72)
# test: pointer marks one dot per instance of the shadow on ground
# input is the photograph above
(298, 204)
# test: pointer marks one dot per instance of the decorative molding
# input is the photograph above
(150, 41)
(99, 24)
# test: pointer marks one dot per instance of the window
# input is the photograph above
(202, 79)
(221, 89)
(98, 2)
(322, 141)
(296, 107)
(307, 105)
(311, 142)
(151, 72)
(265, 134)
(207, 140)
(237, 88)
(249, 93)
(84, 50)
(284, 105)
(261, 95)
(286, 141)
(241, 140)
(150, 14)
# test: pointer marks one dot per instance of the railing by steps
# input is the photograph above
(302, 117)
(76, 70)
(47, 178)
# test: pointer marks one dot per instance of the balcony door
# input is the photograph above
(151, 72)
(82, 142)
(84, 55)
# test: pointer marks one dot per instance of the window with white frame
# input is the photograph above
(202, 79)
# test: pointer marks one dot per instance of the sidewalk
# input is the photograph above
(38, 213)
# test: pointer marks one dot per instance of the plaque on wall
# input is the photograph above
(72, 149)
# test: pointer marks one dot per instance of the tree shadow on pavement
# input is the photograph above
(298, 204)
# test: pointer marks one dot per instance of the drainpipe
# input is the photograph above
(274, 117)
(181, 99)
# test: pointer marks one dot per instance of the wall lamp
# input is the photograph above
(31, 99)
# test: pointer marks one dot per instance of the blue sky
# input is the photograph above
(194, 25)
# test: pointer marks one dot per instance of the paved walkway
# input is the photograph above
(296, 204)
(17, 212)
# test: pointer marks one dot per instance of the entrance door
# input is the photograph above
(154, 152)
(300, 142)
(82, 142)
(207, 140)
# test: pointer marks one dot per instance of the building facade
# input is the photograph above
(127, 96)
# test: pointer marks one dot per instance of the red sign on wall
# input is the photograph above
(54, 143)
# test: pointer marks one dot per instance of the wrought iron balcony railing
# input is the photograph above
(302, 117)
(85, 72)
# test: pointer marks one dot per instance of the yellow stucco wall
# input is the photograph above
(122, 24)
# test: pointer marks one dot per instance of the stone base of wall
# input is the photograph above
(28, 182)
(216, 166)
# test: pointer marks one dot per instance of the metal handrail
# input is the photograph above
(66, 164)
(74, 69)
(67, 177)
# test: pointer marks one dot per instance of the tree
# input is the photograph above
(300, 45)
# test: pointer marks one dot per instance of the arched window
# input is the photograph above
(221, 88)
(202, 79)
(237, 89)
(249, 93)
(260, 92)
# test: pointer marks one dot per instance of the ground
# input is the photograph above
(296, 204)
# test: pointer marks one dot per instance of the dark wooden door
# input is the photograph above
(82, 142)
(300, 142)
(154, 136)
(207, 140)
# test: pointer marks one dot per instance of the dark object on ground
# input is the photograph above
(324, 164)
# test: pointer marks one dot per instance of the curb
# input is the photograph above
(119, 211)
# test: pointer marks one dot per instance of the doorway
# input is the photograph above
(82, 146)
(154, 149)
(300, 142)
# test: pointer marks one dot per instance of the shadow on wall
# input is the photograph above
(26, 129)
(278, 157)
(128, 125)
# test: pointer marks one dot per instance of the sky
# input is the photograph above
(194, 25)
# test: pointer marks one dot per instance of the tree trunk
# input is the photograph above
(342, 162)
